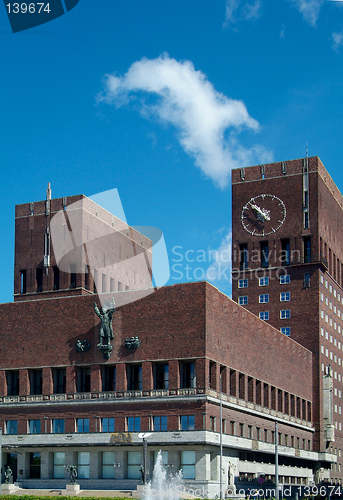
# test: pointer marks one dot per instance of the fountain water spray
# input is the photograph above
(163, 486)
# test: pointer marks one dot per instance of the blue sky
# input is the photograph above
(160, 100)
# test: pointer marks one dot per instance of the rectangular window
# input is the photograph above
(108, 378)
(188, 464)
(264, 253)
(264, 298)
(56, 272)
(34, 426)
(35, 461)
(104, 283)
(72, 276)
(58, 425)
(187, 422)
(95, 280)
(285, 313)
(285, 296)
(285, 252)
(286, 330)
(243, 300)
(39, 279)
(120, 286)
(133, 424)
(59, 380)
(306, 280)
(107, 424)
(243, 283)
(108, 464)
(112, 285)
(83, 464)
(83, 379)
(134, 377)
(12, 382)
(11, 427)
(213, 424)
(243, 256)
(307, 249)
(134, 462)
(35, 377)
(263, 281)
(284, 279)
(161, 375)
(160, 423)
(264, 315)
(82, 425)
(187, 375)
(59, 465)
(23, 281)
(306, 220)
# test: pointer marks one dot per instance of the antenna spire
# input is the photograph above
(48, 192)
(306, 149)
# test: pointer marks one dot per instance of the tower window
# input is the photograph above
(39, 279)
(243, 256)
(23, 281)
(307, 249)
(264, 253)
(56, 278)
(285, 252)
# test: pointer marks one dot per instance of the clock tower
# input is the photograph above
(287, 259)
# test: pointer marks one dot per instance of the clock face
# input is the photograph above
(263, 214)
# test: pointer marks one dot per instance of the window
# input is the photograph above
(134, 377)
(59, 464)
(12, 381)
(264, 315)
(133, 424)
(120, 286)
(161, 375)
(161, 423)
(35, 461)
(56, 272)
(187, 375)
(83, 464)
(11, 427)
(58, 425)
(108, 461)
(108, 378)
(82, 425)
(72, 276)
(243, 300)
(188, 464)
(83, 379)
(23, 281)
(285, 313)
(307, 249)
(35, 381)
(243, 256)
(134, 462)
(264, 253)
(263, 281)
(306, 280)
(34, 426)
(39, 279)
(104, 283)
(285, 252)
(95, 280)
(187, 422)
(286, 330)
(264, 298)
(107, 424)
(242, 283)
(59, 380)
(164, 454)
(285, 296)
(112, 285)
(213, 424)
(284, 279)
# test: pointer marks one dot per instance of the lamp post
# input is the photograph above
(276, 462)
(144, 435)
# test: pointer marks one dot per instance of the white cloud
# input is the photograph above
(309, 9)
(337, 40)
(207, 121)
(236, 10)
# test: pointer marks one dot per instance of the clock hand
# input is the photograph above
(264, 214)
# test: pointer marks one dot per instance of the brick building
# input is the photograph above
(65, 405)
(288, 270)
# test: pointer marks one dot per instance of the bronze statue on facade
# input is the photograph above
(106, 331)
